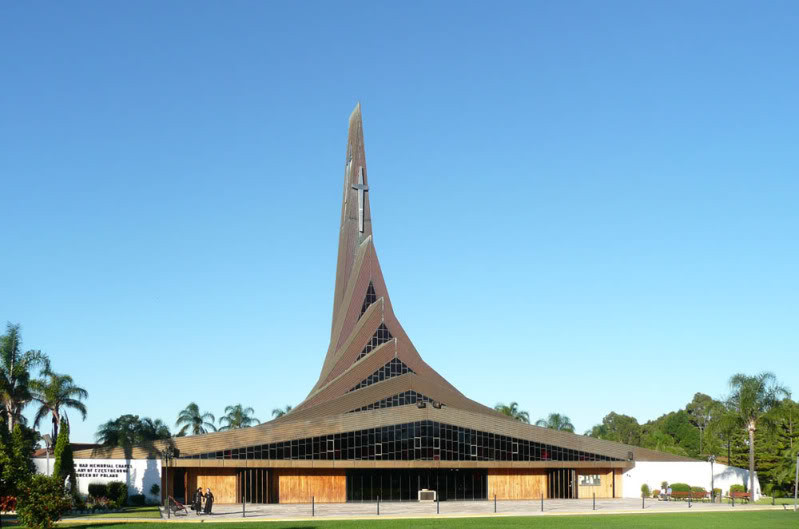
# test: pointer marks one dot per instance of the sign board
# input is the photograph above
(588, 480)
(138, 474)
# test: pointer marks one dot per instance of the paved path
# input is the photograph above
(233, 512)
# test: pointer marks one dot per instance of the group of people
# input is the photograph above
(199, 497)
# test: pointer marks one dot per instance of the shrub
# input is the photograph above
(77, 503)
(655, 493)
(645, 490)
(737, 488)
(8, 503)
(118, 492)
(155, 489)
(664, 485)
(137, 500)
(680, 487)
(698, 489)
(42, 502)
(98, 490)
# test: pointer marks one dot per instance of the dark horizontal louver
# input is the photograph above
(394, 368)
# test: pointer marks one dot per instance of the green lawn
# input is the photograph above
(740, 520)
(777, 501)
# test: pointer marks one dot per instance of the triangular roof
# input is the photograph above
(371, 360)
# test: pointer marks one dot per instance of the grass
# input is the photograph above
(127, 512)
(740, 520)
(777, 501)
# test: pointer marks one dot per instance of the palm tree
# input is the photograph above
(512, 410)
(237, 417)
(280, 412)
(751, 398)
(121, 432)
(128, 431)
(15, 374)
(191, 419)
(556, 421)
(152, 430)
(55, 393)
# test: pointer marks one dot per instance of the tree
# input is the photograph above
(5, 461)
(556, 421)
(751, 398)
(127, 431)
(512, 410)
(192, 420)
(17, 459)
(725, 428)
(619, 428)
(55, 393)
(775, 448)
(152, 430)
(64, 466)
(701, 410)
(280, 412)
(15, 374)
(237, 416)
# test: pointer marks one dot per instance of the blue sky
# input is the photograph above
(584, 207)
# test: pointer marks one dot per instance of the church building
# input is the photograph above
(380, 421)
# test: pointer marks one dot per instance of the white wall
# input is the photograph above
(138, 474)
(694, 473)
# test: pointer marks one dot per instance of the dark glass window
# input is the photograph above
(401, 399)
(394, 368)
(380, 337)
(423, 440)
(370, 298)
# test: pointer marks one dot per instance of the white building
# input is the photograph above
(694, 473)
(138, 474)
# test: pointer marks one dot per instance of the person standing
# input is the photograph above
(198, 500)
(209, 500)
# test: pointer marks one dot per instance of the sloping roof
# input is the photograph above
(366, 340)
(41, 452)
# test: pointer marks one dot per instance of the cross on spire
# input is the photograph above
(361, 188)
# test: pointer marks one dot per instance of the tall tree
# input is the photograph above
(701, 410)
(725, 430)
(55, 393)
(190, 419)
(15, 374)
(64, 466)
(774, 448)
(556, 421)
(512, 410)
(152, 430)
(280, 412)
(237, 416)
(18, 465)
(617, 427)
(752, 397)
(127, 431)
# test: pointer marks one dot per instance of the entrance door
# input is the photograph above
(179, 485)
(562, 483)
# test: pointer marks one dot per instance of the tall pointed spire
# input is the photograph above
(365, 335)
(356, 218)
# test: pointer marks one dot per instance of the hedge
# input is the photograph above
(98, 490)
